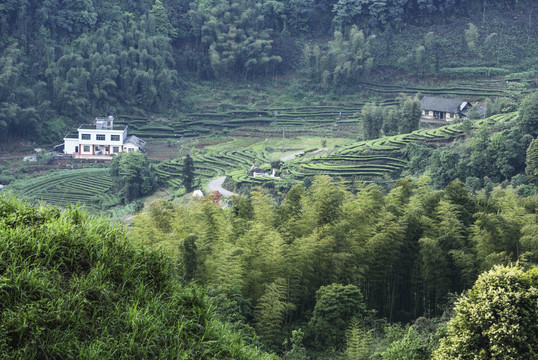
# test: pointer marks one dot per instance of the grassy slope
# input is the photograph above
(73, 287)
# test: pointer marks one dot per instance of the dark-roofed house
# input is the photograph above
(443, 108)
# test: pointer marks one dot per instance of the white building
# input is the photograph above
(102, 138)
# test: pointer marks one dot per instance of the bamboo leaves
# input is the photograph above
(74, 287)
(346, 60)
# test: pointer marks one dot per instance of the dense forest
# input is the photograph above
(325, 275)
(62, 61)
(326, 255)
(434, 258)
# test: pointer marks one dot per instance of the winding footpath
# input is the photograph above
(216, 185)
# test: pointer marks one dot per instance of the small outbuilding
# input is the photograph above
(133, 143)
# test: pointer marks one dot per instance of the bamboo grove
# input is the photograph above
(407, 251)
(74, 287)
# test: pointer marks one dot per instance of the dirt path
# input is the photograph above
(216, 184)
(291, 156)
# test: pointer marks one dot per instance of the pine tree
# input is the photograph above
(188, 173)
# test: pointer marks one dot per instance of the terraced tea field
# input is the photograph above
(320, 120)
(380, 157)
(212, 164)
(86, 187)
(466, 91)
(335, 119)
(366, 160)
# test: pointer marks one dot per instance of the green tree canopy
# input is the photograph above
(531, 168)
(372, 121)
(496, 319)
(528, 115)
(188, 173)
(411, 113)
(133, 175)
(236, 38)
(347, 60)
(336, 305)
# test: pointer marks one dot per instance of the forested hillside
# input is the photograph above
(74, 287)
(62, 62)
(377, 236)
(328, 274)
(343, 268)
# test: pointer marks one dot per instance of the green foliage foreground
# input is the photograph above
(496, 319)
(72, 287)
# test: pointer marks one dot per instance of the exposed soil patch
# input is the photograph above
(161, 151)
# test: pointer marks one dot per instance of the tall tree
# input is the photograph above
(189, 255)
(133, 174)
(411, 112)
(390, 115)
(471, 38)
(347, 61)
(528, 115)
(336, 306)
(531, 162)
(372, 121)
(358, 342)
(236, 39)
(162, 24)
(271, 312)
(187, 173)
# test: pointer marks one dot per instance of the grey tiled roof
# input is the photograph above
(441, 104)
(136, 141)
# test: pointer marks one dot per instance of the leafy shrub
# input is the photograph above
(496, 318)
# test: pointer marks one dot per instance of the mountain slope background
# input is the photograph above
(64, 62)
